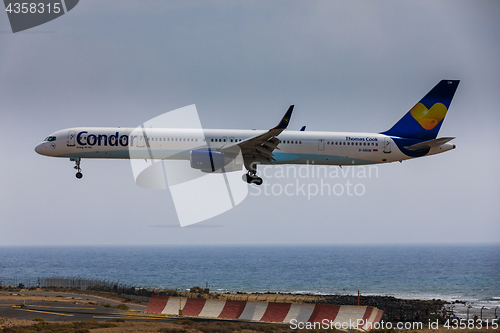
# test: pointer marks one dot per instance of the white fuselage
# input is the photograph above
(295, 147)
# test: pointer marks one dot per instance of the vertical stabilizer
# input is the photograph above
(424, 120)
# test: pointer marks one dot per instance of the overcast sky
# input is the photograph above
(346, 66)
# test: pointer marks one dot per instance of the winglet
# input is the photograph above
(286, 119)
(303, 129)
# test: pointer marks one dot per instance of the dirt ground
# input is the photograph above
(19, 297)
(127, 327)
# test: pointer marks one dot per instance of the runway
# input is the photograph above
(63, 311)
(67, 311)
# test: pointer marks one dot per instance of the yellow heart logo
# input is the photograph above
(428, 118)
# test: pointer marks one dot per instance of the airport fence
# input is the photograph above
(107, 286)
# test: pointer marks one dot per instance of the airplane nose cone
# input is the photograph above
(38, 149)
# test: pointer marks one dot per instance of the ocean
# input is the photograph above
(467, 273)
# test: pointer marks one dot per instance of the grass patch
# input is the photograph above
(122, 307)
(172, 330)
(40, 320)
(184, 322)
(71, 327)
(119, 306)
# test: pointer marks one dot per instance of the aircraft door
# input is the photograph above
(321, 144)
(71, 138)
(387, 145)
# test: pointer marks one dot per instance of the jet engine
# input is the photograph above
(215, 161)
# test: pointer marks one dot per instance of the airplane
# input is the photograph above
(414, 135)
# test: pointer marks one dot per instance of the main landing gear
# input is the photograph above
(77, 160)
(252, 178)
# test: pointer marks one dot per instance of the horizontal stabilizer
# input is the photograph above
(429, 144)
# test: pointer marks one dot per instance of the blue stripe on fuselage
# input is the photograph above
(281, 158)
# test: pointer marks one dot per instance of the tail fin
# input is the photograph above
(424, 120)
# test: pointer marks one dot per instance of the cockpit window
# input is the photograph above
(50, 138)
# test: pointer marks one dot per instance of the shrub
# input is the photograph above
(122, 307)
(40, 320)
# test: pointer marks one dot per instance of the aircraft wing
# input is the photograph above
(429, 144)
(262, 146)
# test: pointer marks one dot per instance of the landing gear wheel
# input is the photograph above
(257, 180)
(252, 179)
(246, 178)
(77, 161)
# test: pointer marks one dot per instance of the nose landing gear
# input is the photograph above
(77, 160)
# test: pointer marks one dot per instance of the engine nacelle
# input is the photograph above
(213, 161)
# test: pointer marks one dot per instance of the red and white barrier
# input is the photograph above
(365, 316)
